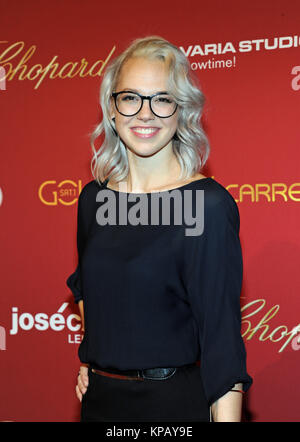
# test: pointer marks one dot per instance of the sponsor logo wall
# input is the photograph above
(246, 57)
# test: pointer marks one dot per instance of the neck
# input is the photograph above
(152, 173)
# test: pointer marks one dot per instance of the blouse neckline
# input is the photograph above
(104, 185)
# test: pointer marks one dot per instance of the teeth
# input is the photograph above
(147, 130)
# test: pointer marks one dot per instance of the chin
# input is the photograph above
(145, 151)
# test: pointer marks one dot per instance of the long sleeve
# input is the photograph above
(74, 280)
(214, 287)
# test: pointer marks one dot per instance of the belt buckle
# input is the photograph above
(158, 378)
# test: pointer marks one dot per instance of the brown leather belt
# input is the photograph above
(140, 374)
(118, 376)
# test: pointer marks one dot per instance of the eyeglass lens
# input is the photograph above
(129, 103)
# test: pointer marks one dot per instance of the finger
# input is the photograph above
(84, 379)
(81, 386)
(78, 394)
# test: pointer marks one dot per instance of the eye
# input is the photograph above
(162, 99)
(129, 97)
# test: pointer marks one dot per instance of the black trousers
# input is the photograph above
(178, 398)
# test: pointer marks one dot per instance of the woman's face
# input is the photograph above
(146, 77)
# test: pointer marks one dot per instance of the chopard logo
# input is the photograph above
(15, 62)
(263, 328)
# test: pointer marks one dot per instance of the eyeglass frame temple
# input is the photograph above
(143, 97)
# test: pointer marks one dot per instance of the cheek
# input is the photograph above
(173, 125)
(121, 123)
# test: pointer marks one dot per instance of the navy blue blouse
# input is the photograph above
(155, 296)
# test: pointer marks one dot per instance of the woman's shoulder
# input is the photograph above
(219, 204)
(214, 191)
(91, 186)
(89, 192)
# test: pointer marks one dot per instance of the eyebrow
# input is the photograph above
(129, 89)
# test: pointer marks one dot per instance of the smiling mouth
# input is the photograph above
(145, 132)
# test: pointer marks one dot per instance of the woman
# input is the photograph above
(154, 299)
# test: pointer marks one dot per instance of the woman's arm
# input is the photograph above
(214, 284)
(228, 408)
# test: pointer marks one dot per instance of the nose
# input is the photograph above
(146, 113)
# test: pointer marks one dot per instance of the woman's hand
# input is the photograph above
(228, 408)
(82, 382)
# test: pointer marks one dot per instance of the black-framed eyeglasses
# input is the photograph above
(129, 103)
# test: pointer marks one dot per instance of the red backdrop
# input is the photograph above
(247, 57)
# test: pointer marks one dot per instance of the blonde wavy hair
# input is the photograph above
(190, 143)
